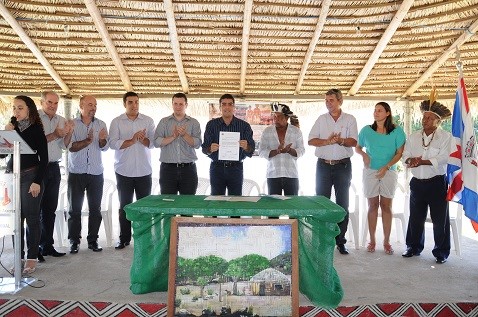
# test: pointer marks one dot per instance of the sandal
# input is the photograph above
(30, 266)
(371, 247)
(388, 248)
(12, 269)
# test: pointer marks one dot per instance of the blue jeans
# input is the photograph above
(127, 187)
(174, 179)
(77, 185)
(226, 176)
(30, 212)
(290, 186)
(338, 176)
(423, 195)
(49, 203)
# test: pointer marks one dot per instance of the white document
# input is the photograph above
(229, 146)
(252, 199)
(280, 197)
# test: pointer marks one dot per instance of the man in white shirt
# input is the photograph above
(426, 154)
(58, 133)
(334, 136)
(131, 136)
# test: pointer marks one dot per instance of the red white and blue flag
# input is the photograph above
(462, 169)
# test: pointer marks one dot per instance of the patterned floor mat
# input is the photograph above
(53, 308)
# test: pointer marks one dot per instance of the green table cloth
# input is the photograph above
(317, 227)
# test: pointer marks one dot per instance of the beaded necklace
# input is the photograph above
(425, 146)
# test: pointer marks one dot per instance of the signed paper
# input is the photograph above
(252, 199)
(229, 146)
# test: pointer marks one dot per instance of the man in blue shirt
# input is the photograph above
(85, 169)
(227, 174)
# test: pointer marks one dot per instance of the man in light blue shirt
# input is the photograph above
(131, 136)
(85, 169)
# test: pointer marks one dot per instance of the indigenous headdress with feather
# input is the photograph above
(285, 110)
(435, 107)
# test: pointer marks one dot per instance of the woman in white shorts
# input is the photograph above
(384, 143)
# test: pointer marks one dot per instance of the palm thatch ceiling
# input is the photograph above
(251, 48)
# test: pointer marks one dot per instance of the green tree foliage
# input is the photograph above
(282, 263)
(205, 266)
(247, 266)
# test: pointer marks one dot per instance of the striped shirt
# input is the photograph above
(178, 151)
(55, 147)
(87, 160)
(135, 160)
(211, 135)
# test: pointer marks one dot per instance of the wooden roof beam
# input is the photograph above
(467, 34)
(382, 44)
(173, 38)
(33, 47)
(101, 27)
(246, 30)
(315, 39)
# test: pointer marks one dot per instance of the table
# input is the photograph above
(317, 227)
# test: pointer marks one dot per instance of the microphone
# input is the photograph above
(13, 120)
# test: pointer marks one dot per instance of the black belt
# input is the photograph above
(335, 162)
(226, 163)
(179, 164)
(54, 163)
(431, 179)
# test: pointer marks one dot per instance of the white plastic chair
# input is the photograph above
(354, 214)
(456, 224)
(250, 187)
(155, 188)
(204, 186)
(109, 188)
(61, 213)
(400, 211)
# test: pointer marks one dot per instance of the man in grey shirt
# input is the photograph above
(178, 135)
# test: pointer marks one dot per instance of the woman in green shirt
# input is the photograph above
(384, 142)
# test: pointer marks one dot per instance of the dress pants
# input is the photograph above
(339, 176)
(49, 204)
(127, 188)
(425, 194)
(290, 186)
(226, 176)
(177, 178)
(30, 212)
(77, 185)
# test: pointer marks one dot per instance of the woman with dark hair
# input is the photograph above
(384, 142)
(33, 169)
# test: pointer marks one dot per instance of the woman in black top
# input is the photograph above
(33, 168)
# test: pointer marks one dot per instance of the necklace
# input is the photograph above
(425, 146)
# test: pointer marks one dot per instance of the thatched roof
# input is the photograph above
(258, 49)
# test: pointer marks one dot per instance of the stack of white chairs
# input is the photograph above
(109, 188)
(400, 211)
(204, 186)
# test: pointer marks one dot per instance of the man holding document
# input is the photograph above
(227, 141)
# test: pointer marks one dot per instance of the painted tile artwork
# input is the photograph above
(232, 267)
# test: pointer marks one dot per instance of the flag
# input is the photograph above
(462, 169)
